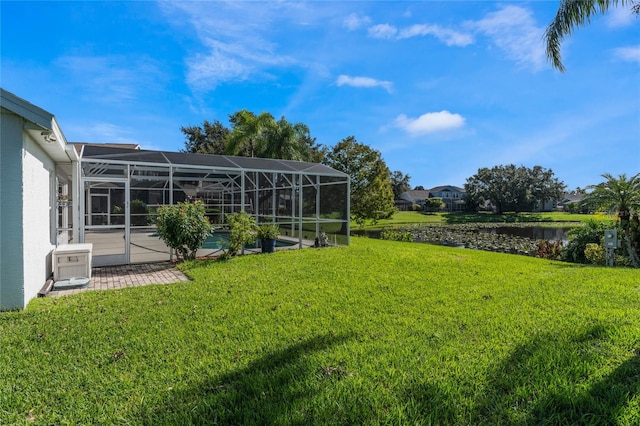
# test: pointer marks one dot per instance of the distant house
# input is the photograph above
(568, 200)
(451, 195)
(407, 199)
(547, 205)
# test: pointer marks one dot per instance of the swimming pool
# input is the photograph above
(220, 240)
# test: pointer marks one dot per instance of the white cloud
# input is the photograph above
(430, 122)
(629, 54)
(383, 31)
(112, 79)
(620, 17)
(207, 71)
(345, 80)
(354, 22)
(100, 132)
(447, 36)
(514, 30)
(234, 38)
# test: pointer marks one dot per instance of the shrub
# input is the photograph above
(591, 233)
(393, 235)
(595, 254)
(549, 250)
(183, 227)
(242, 231)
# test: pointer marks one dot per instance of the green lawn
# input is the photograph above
(380, 332)
(404, 218)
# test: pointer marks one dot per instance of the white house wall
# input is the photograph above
(11, 236)
(38, 176)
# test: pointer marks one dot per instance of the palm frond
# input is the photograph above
(572, 14)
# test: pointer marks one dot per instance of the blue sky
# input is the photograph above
(441, 89)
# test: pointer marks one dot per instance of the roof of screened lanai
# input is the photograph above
(112, 154)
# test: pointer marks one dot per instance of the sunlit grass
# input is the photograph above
(378, 332)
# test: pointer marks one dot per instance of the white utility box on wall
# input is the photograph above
(71, 261)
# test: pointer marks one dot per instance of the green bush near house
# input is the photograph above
(183, 227)
(242, 231)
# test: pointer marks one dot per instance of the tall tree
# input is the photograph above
(248, 134)
(210, 138)
(543, 186)
(254, 136)
(572, 14)
(286, 141)
(511, 188)
(622, 196)
(399, 183)
(371, 194)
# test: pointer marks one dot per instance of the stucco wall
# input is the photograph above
(11, 236)
(38, 177)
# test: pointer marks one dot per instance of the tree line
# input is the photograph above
(374, 187)
(261, 135)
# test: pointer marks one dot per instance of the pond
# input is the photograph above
(521, 238)
(531, 232)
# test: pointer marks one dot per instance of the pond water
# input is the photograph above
(531, 232)
(523, 238)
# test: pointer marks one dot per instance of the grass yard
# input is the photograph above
(380, 332)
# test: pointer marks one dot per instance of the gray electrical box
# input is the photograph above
(611, 238)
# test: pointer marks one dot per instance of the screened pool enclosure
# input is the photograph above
(123, 188)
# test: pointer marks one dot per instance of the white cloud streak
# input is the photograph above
(628, 54)
(383, 31)
(513, 29)
(445, 35)
(620, 17)
(345, 80)
(234, 41)
(112, 79)
(101, 132)
(430, 122)
(354, 22)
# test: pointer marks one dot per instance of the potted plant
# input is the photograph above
(268, 233)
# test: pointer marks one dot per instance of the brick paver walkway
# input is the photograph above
(112, 277)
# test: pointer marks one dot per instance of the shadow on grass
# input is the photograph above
(546, 381)
(263, 392)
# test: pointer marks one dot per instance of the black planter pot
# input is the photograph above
(268, 245)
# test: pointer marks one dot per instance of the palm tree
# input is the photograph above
(571, 14)
(248, 136)
(286, 141)
(621, 195)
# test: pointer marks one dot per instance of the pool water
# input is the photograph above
(220, 240)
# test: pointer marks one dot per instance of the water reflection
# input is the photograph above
(531, 232)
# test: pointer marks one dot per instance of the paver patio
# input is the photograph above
(114, 277)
